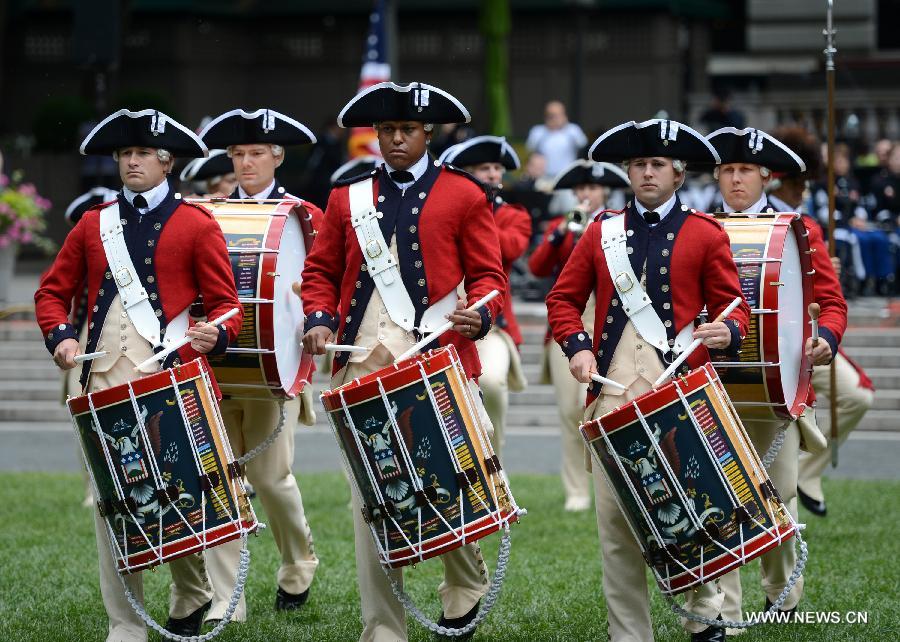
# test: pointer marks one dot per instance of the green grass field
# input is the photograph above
(49, 587)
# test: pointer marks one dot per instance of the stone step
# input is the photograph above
(30, 390)
(875, 357)
(884, 400)
(37, 370)
(871, 338)
(881, 420)
(35, 411)
(18, 350)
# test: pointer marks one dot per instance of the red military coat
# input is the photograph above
(513, 224)
(445, 234)
(689, 266)
(554, 250)
(179, 253)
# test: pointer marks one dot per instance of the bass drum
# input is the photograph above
(771, 378)
(268, 243)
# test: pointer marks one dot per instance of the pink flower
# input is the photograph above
(27, 189)
(4, 180)
(26, 237)
(4, 241)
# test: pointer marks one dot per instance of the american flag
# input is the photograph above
(375, 69)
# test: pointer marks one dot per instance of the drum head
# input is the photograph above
(288, 309)
(791, 319)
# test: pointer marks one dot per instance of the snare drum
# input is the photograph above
(162, 469)
(771, 378)
(268, 243)
(420, 458)
(688, 481)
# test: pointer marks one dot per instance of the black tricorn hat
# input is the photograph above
(755, 147)
(585, 172)
(201, 169)
(93, 197)
(263, 126)
(145, 128)
(355, 167)
(482, 149)
(390, 101)
(656, 137)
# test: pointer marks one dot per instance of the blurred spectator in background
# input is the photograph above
(448, 135)
(329, 153)
(720, 113)
(558, 140)
(867, 261)
(700, 192)
(534, 176)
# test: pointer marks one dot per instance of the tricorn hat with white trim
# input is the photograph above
(482, 149)
(390, 101)
(755, 147)
(93, 197)
(355, 167)
(585, 172)
(145, 128)
(656, 137)
(263, 126)
(201, 169)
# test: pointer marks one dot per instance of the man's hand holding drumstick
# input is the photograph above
(818, 351)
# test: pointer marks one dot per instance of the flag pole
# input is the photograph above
(829, 80)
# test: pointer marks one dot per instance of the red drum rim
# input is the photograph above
(472, 532)
(185, 546)
(392, 378)
(718, 567)
(145, 385)
(769, 331)
(650, 401)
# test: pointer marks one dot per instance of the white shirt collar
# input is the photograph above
(758, 207)
(417, 170)
(662, 210)
(262, 194)
(154, 196)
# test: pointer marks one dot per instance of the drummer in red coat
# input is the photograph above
(255, 142)
(177, 253)
(684, 261)
(486, 158)
(591, 182)
(433, 230)
(749, 156)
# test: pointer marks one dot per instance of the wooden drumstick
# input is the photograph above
(343, 347)
(814, 311)
(81, 358)
(161, 356)
(442, 329)
(695, 344)
(607, 382)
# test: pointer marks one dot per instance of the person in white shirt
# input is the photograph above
(558, 140)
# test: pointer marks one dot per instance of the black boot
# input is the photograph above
(814, 506)
(710, 634)
(458, 623)
(190, 625)
(285, 601)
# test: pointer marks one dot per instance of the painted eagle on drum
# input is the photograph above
(653, 483)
